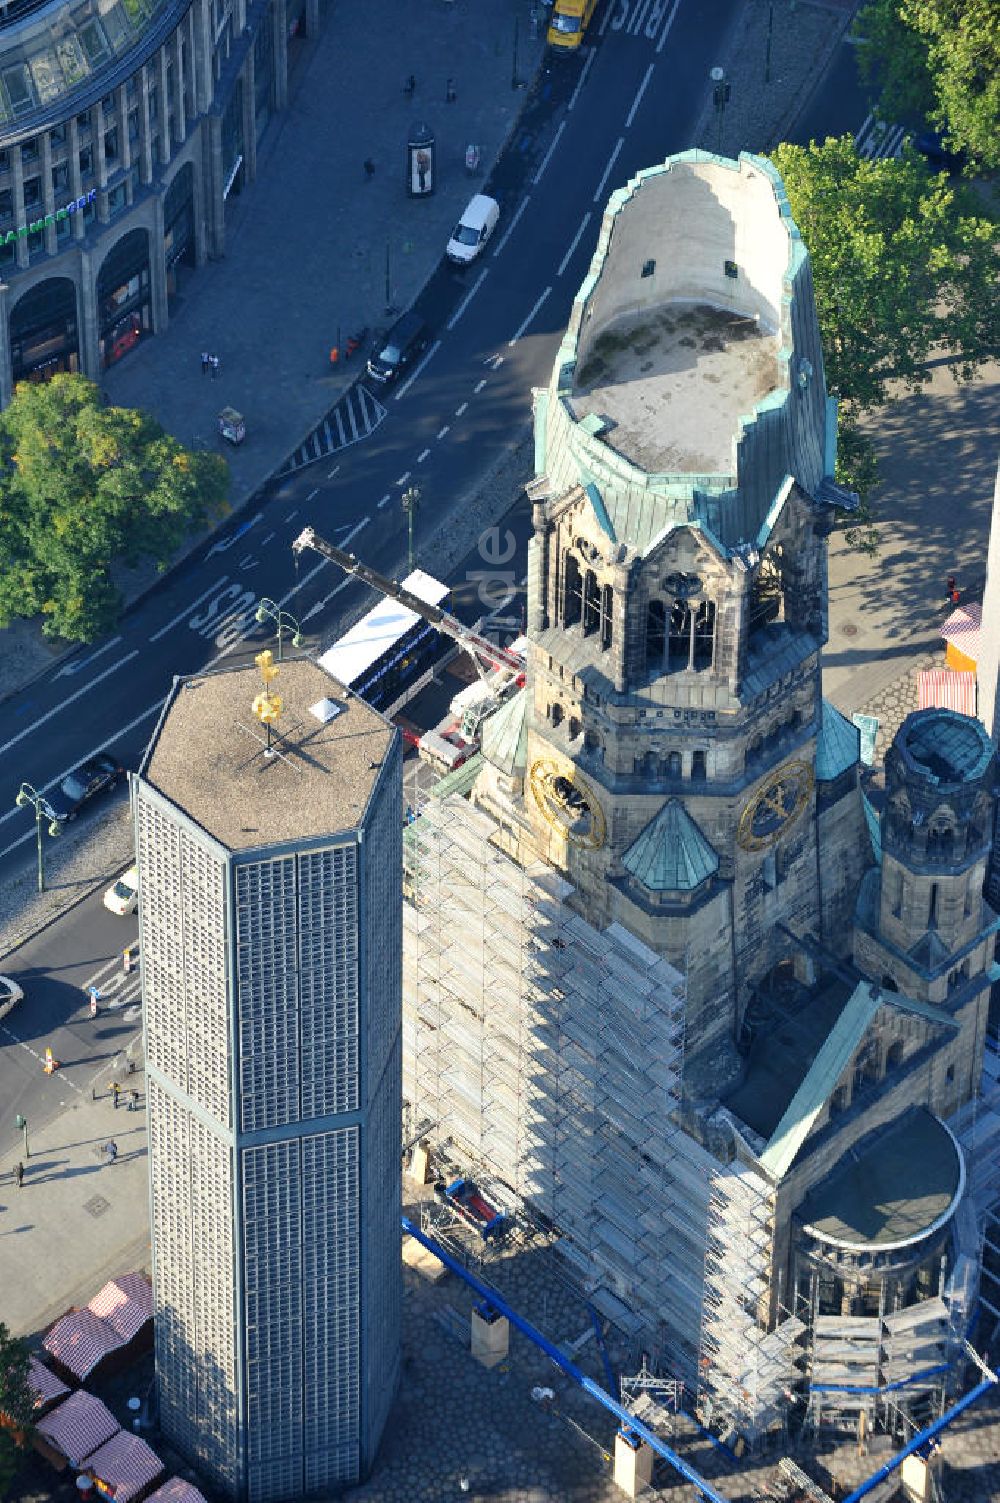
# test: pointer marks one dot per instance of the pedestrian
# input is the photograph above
(115, 1092)
(410, 86)
(133, 1101)
(111, 1149)
(369, 169)
(95, 997)
(423, 162)
(205, 362)
(215, 366)
(19, 1174)
(449, 92)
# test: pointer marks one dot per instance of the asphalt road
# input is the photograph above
(631, 99)
(497, 327)
(83, 948)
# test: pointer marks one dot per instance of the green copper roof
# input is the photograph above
(671, 854)
(504, 735)
(821, 1078)
(838, 745)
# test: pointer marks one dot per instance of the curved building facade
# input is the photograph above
(126, 130)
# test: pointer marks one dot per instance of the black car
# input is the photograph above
(98, 774)
(407, 339)
(930, 144)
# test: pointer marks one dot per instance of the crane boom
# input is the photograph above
(485, 654)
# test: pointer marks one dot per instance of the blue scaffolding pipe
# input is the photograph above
(920, 1439)
(627, 1421)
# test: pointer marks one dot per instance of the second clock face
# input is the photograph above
(775, 806)
(567, 803)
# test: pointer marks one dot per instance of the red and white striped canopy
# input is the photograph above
(126, 1466)
(963, 626)
(44, 1384)
(80, 1340)
(946, 689)
(126, 1303)
(78, 1426)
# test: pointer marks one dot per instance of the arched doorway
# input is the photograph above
(178, 231)
(124, 309)
(44, 331)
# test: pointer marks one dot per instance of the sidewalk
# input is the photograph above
(77, 1220)
(308, 242)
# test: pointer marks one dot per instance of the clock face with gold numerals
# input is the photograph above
(567, 803)
(774, 807)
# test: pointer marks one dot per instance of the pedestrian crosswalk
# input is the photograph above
(877, 138)
(356, 415)
(117, 990)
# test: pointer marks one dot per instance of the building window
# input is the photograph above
(133, 125)
(87, 162)
(32, 192)
(572, 591)
(4, 161)
(117, 199)
(607, 615)
(698, 768)
(894, 1056)
(656, 629)
(60, 178)
(154, 103)
(111, 145)
(43, 337)
(767, 596)
(29, 151)
(83, 121)
(6, 206)
(679, 639)
(704, 635)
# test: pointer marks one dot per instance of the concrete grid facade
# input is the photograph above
(271, 987)
(123, 137)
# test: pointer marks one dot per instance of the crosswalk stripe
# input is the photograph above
(355, 416)
(328, 436)
(353, 421)
(340, 429)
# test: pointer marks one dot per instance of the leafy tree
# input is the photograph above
(892, 59)
(16, 1406)
(83, 486)
(939, 58)
(903, 268)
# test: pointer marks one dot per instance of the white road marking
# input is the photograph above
(176, 620)
(583, 73)
(95, 978)
(530, 316)
(546, 159)
(409, 382)
(666, 28)
(403, 478)
(63, 1079)
(292, 514)
(422, 456)
(576, 241)
(607, 171)
(384, 501)
(313, 492)
(224, 543)
(468, 298)
(478, 387)
(330, 473)
(87, 688)
(75, 667)
(639, 93)
(267, 539)
(443, 431)
(460, 410)
(512, 226)
(110, 741)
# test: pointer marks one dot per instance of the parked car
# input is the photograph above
(930, 144)
(123, 898)
(10, 995)
(100, 774)
(473, 229)
(405, 341)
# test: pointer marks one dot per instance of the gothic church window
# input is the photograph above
(591, 603)
(704, 634)
(679, 639)
(656, 629)
(572, 591)
(767, 594)
(607, 604)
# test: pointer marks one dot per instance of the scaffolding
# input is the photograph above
(552, 1053)
(749, 1362)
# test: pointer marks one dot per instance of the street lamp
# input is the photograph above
(411, 504)
(27, 795)
(269, 610)
(720, 98)
(22, 1123)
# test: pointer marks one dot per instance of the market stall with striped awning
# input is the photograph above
(946, 689)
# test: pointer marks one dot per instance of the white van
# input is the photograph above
(473, 229)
